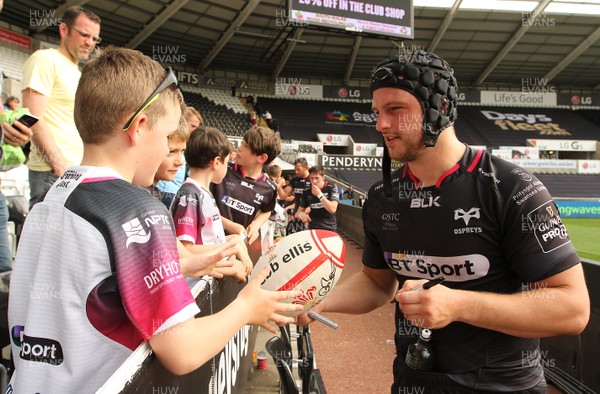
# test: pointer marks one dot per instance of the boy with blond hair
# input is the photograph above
(111, 277)
(170, 166)
(195, 212)
(168, 188)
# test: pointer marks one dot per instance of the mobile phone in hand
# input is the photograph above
(28, 120)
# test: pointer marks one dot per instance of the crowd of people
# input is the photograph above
(119, 219)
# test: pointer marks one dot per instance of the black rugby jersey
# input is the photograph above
(240, 198)
(299, 185)
(319, 217)
(487, 225)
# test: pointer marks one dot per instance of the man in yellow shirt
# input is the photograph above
(50, 78)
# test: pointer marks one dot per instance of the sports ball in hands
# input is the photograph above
(309, 260)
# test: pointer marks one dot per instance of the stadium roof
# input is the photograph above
(490, 48)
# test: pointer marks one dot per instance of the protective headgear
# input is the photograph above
(431, 80)
(428, 78)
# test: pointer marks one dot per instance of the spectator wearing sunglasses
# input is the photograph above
(50, 78)
(98, 270)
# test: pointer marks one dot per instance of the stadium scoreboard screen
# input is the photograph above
(392, 18)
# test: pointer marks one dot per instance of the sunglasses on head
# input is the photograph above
(169, 80)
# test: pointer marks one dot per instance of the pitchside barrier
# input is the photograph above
(570, 362)
(227, 372)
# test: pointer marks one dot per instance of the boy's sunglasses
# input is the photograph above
(169, 80)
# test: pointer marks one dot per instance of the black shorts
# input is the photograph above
(411, 381)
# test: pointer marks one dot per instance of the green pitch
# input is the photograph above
(585, 235)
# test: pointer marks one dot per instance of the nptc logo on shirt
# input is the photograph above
(135, 232)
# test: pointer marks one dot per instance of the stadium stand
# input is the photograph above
(571, 185)
(591, 115)
(361, 180)
(218, 110)
(559, 185)
(474, 127)
(304, 119)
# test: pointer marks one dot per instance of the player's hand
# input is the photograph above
(304, 319)
(199, 264)
(304, 218)
(265, 306)
(431, 308)
(315, 190)
(17, 135)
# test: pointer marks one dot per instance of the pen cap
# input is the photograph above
(425, 334)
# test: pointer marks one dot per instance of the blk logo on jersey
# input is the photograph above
(466, 216)
(548, 227)
(238, 205)
(248, 185)
(135, 232)
(427, 202)
(454, 268)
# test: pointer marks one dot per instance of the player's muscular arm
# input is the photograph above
(558, 305)
(362, 292)
(37, 104)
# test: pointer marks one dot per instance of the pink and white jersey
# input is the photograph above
(96, 274)
(196, 215)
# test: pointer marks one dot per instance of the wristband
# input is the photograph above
(320, 196)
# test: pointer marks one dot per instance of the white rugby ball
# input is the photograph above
(309, 260)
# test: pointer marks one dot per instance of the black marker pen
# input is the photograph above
(430, 284)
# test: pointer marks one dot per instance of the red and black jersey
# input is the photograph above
(239, 197)
(319, 217)
(487, 225)
(299, 185)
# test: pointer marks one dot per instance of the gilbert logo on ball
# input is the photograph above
(309, 260)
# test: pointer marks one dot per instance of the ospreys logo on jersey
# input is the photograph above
(135, 232)
(548, 228)
(466, 217)
(238, 205)
(454, 268)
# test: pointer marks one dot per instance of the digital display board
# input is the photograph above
(381, 17)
